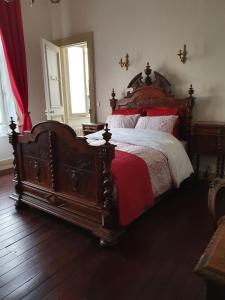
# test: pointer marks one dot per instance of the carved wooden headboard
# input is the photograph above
(148, 93)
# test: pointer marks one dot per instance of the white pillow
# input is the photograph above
(122, 121)
(161, 123)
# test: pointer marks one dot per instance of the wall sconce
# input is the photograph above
(125, 63)
(183, 54)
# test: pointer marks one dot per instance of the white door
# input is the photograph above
(52, 80)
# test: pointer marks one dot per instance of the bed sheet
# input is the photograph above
(156, 161)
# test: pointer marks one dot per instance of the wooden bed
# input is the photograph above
(63, 175)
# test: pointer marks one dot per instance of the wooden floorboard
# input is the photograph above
(42, 257)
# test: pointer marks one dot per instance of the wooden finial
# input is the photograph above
(191, 91)
(13, 139)
(12, 125)
(148, 71)
(106, 135)
(13, 134)
(113, 94)
(113, 101)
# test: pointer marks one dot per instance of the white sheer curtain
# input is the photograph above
(7, 104)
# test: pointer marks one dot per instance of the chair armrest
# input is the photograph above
(211, 265)
(215, 186)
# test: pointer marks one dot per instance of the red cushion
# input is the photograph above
(127, 111)
(163, 111)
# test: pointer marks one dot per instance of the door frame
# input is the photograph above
(69, 41)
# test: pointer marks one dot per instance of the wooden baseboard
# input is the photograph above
(6, 171)
(6, 166)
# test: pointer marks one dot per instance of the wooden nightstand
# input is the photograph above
(208, 138)
(92, 127)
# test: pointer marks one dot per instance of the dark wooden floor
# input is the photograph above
(44, 258)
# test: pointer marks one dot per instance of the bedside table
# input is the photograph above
(92, 127)
(208, 138)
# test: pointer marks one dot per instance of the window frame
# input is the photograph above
(63, 44)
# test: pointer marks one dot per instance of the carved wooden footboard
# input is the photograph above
(62, 174)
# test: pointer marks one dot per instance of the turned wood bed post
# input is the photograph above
(107, 155)
(189, 116)
(13, 140)
(113, 101)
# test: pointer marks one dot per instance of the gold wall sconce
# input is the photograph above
(125, 63)
(183, 54)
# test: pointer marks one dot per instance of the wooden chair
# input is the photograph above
(215, 186)
(211, 265)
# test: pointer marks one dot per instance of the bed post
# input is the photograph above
(191, 92)
(107, 155)
(113, 101)
(13, 139)
(190, 105)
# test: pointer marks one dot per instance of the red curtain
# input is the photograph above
(11, 30)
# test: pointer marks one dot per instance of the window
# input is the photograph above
(78, 78)
(7, 104)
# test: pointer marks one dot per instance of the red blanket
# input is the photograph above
(134, 189)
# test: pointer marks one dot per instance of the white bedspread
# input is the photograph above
(179, 164)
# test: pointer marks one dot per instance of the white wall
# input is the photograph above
(149, 30)
(5, 148)
(5, 153)
(154, 31)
